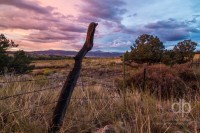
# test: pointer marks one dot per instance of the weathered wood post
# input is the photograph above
(144, 80)
(124, 82)
(70, 83)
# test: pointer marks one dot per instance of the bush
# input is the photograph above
(184, 51)
(146, 49)
(149, 49)
(165, 82)
(169, 57)
(48, 71)
(18, 63)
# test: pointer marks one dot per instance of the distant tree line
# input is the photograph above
(19, 62)
(49, 57)
(149, 49)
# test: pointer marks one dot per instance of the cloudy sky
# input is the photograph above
(62, 24)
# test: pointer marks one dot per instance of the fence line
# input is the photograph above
(59, 78)
(109, 84)
(93, 98)
(80, 83)
(100, 76)
(25, 93)
(37, 106)
(30, 80)
(49, 88)
(73, 119)
(83, 121)
(73, 98)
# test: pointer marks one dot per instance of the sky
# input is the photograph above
(62, 24)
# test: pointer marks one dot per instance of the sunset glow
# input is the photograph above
(42, 25)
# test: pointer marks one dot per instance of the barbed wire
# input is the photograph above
(50, 88)
(84, 121)
(93, 98)
(109, 84)
(25, 93)
(105, 83)
(69, 118)
(57, 78)
(30, 80)
(37, 106)
(93, 76)
(75, 98)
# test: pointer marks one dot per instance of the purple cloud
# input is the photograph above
(71, 28)
(169, 24)
(132, 15)
(28, 5)
(47, 36)
(47, 25)
(171, 29)
(107, 10)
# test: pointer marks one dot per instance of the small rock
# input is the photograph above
(106, 129)
(178, 132)
(109, 129)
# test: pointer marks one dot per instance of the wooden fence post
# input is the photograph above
(70, 83)
(144, 80)
(124, 82)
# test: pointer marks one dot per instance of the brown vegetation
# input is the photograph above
(164, 81)
(96, 104)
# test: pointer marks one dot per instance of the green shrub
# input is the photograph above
(48, 71)
(18, 63)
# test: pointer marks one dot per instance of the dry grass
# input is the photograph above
(87, 115)
(97, 65)
(101, 105)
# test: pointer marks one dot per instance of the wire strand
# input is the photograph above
(30, 80)
(25, 93)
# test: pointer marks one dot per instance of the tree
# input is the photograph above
(184, 51)
(5, 44)
(168, 57)
(127, 57)
(19, 63)
(147, 49)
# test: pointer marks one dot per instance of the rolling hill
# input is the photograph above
(73, 53)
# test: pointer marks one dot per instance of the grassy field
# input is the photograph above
(96, 105)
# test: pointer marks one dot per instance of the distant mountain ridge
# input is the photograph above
(73, 53)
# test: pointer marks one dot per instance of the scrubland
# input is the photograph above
(99, 102)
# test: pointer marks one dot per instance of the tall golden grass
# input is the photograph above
(97, 107)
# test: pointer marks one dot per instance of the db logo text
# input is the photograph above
(181, 107)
